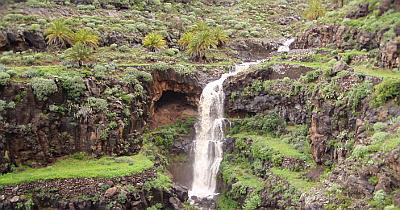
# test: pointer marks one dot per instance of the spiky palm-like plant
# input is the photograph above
(86, 37)
(79, 53)
(185, 40)
(154, 41)
(315, 10)
(200, 45)
(220, 36)
(58, 34)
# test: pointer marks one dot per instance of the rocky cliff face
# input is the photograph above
(344, 37)
(332, 124)
(103, 121)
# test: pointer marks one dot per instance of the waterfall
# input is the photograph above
(286, 46)
(209, 136)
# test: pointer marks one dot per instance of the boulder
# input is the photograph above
(361, 11)
(111, 192)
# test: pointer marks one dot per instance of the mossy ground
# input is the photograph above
(80, 166)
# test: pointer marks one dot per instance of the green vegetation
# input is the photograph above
(154, 41)
(43, 87)
(86, 37)
(199, 40)
(79, 53)
(163, 137)
(315, 10)
(58, 34)
(261, 124)
(294, 178)
(386, 90)
(81, 166)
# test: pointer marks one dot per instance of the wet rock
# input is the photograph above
(176, 203)
(181, 192)
(111, 192)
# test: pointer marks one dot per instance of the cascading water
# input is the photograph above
(286, 45)
(209, 136)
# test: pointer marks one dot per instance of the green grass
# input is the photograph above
(240, 173)
(378, 72)
(294, 178)
(70, 167)
(275, 144)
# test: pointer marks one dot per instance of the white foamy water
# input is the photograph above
(286, 45)
(210, 135)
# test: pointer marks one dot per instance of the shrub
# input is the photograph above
(359, 92)
(86, 37)
(79, 53)
(74, 86)
(98, 104)
(42, 87)
(201, 38)
(154, 41)
(315, 10)
(387, 90)
(220, 36)
(252, 202)
(262, 124)
(4, 78)
(200, 45)
(185, 39)
(59, 34)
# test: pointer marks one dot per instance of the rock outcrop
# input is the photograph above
(348, 38)
(22, 40)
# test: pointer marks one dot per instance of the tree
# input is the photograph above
(220, 36)
(200, 45)
(185, 39)
(315, 10)
(58, 34)
(154, 41)
(86, 37)
(78, 53)
(201, 38)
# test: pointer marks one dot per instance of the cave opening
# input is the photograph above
(171, 107)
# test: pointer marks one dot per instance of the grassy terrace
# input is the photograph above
(79, 166)
(275, 144)
(294, 178)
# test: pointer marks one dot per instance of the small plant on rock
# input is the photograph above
(154, 42)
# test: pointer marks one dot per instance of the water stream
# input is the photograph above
(286, 45)
(209, 136)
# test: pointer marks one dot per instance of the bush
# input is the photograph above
(200, 39)
(358, 93)
(98, 104)
(87, 38)
(154, 41)
(59, 34)
(42, 87)
(4, 78)
(79, 53)
(262, 124)
(252, 202)
(74, 86)
(388, 89)
(315, 10)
